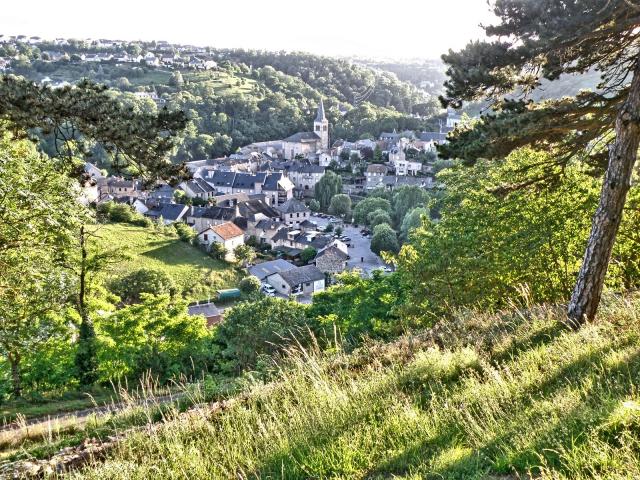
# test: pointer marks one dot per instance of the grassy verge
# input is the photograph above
(485, 397)
(197, 274)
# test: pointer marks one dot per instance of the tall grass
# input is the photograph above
(511, 395)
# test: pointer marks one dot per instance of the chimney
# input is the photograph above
(237, 211)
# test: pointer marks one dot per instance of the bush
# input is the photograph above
(262, 327)
(130, 287)
(217, 251)
(250, 284)
(314, 205)
(308, 254)
(384, 239)
(184, 231)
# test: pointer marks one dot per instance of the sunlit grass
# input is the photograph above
(511, 393)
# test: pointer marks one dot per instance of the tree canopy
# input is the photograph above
(545, 40)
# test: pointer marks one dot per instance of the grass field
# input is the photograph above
(197, 274)
(506, 396)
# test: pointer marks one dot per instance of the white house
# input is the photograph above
(294, 212)
(227, 234)
(305, 280)
(305, 177)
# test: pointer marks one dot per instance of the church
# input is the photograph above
(305, 144)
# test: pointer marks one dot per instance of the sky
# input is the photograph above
(397, 29)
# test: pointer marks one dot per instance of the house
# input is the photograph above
(228, 234)
(331, 260)
(375, 175)
(390, 137)
(169, 212)
(403, 166)
(294, 212)
(200, 218)
(93, 171)
(305, 177)
(119, 187)
(198, 188)
(208, 310)
(266, 269)
(305, 280)
(276, 187)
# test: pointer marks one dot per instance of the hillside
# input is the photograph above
(248, 96)
(193, 271)
(484, 397)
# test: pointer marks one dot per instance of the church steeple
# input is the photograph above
(321, 126)
(320, 115)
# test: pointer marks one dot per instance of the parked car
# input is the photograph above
(268, 290)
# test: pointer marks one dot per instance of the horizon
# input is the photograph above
(263, 30)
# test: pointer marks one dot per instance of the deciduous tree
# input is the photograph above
(547, 39)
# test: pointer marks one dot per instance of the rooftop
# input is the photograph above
(227, 230)
(297, 276)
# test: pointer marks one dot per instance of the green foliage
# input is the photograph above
(184, 231)
(384, 239)
(463, 402)
(217, 251)
(131, 287)
(368, 205)
(340, 205)
(378, 217)
(89, 111)
(261, 327)
(157, 335)
(249, 284)
(404, 199)
(361, 307)
(86, 361)
(244, 254)
(412, 220)
(530, 237)
(314, 205)
(38, 222)
(122, 213)
(195, 274)
(327, 187)
(308, 254)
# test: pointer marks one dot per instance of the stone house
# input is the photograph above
(331, 260)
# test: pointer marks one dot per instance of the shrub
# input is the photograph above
(250, 284)
(130, 287)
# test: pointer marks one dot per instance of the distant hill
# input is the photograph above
(233, 97)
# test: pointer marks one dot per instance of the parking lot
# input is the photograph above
(360, 251)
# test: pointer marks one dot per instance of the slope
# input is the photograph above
(483, 396)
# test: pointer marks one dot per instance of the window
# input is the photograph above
(206, 237)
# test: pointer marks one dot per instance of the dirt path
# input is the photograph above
(81, 415)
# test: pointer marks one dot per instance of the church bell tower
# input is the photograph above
(321, 127)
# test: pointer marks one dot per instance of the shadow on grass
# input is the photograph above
(602, 387)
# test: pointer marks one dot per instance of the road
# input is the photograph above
(361, 255)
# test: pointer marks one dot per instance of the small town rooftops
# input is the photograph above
(266, 269)
(293, 206)
(306, 274)
(227, 230)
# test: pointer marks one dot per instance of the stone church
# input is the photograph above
(306, 143)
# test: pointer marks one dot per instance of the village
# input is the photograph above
(262, 196)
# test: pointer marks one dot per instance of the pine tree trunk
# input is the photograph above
(606, 221)
(16, 376)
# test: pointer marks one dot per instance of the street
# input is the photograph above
(360, 251)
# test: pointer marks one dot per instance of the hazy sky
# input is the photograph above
(390, 28)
